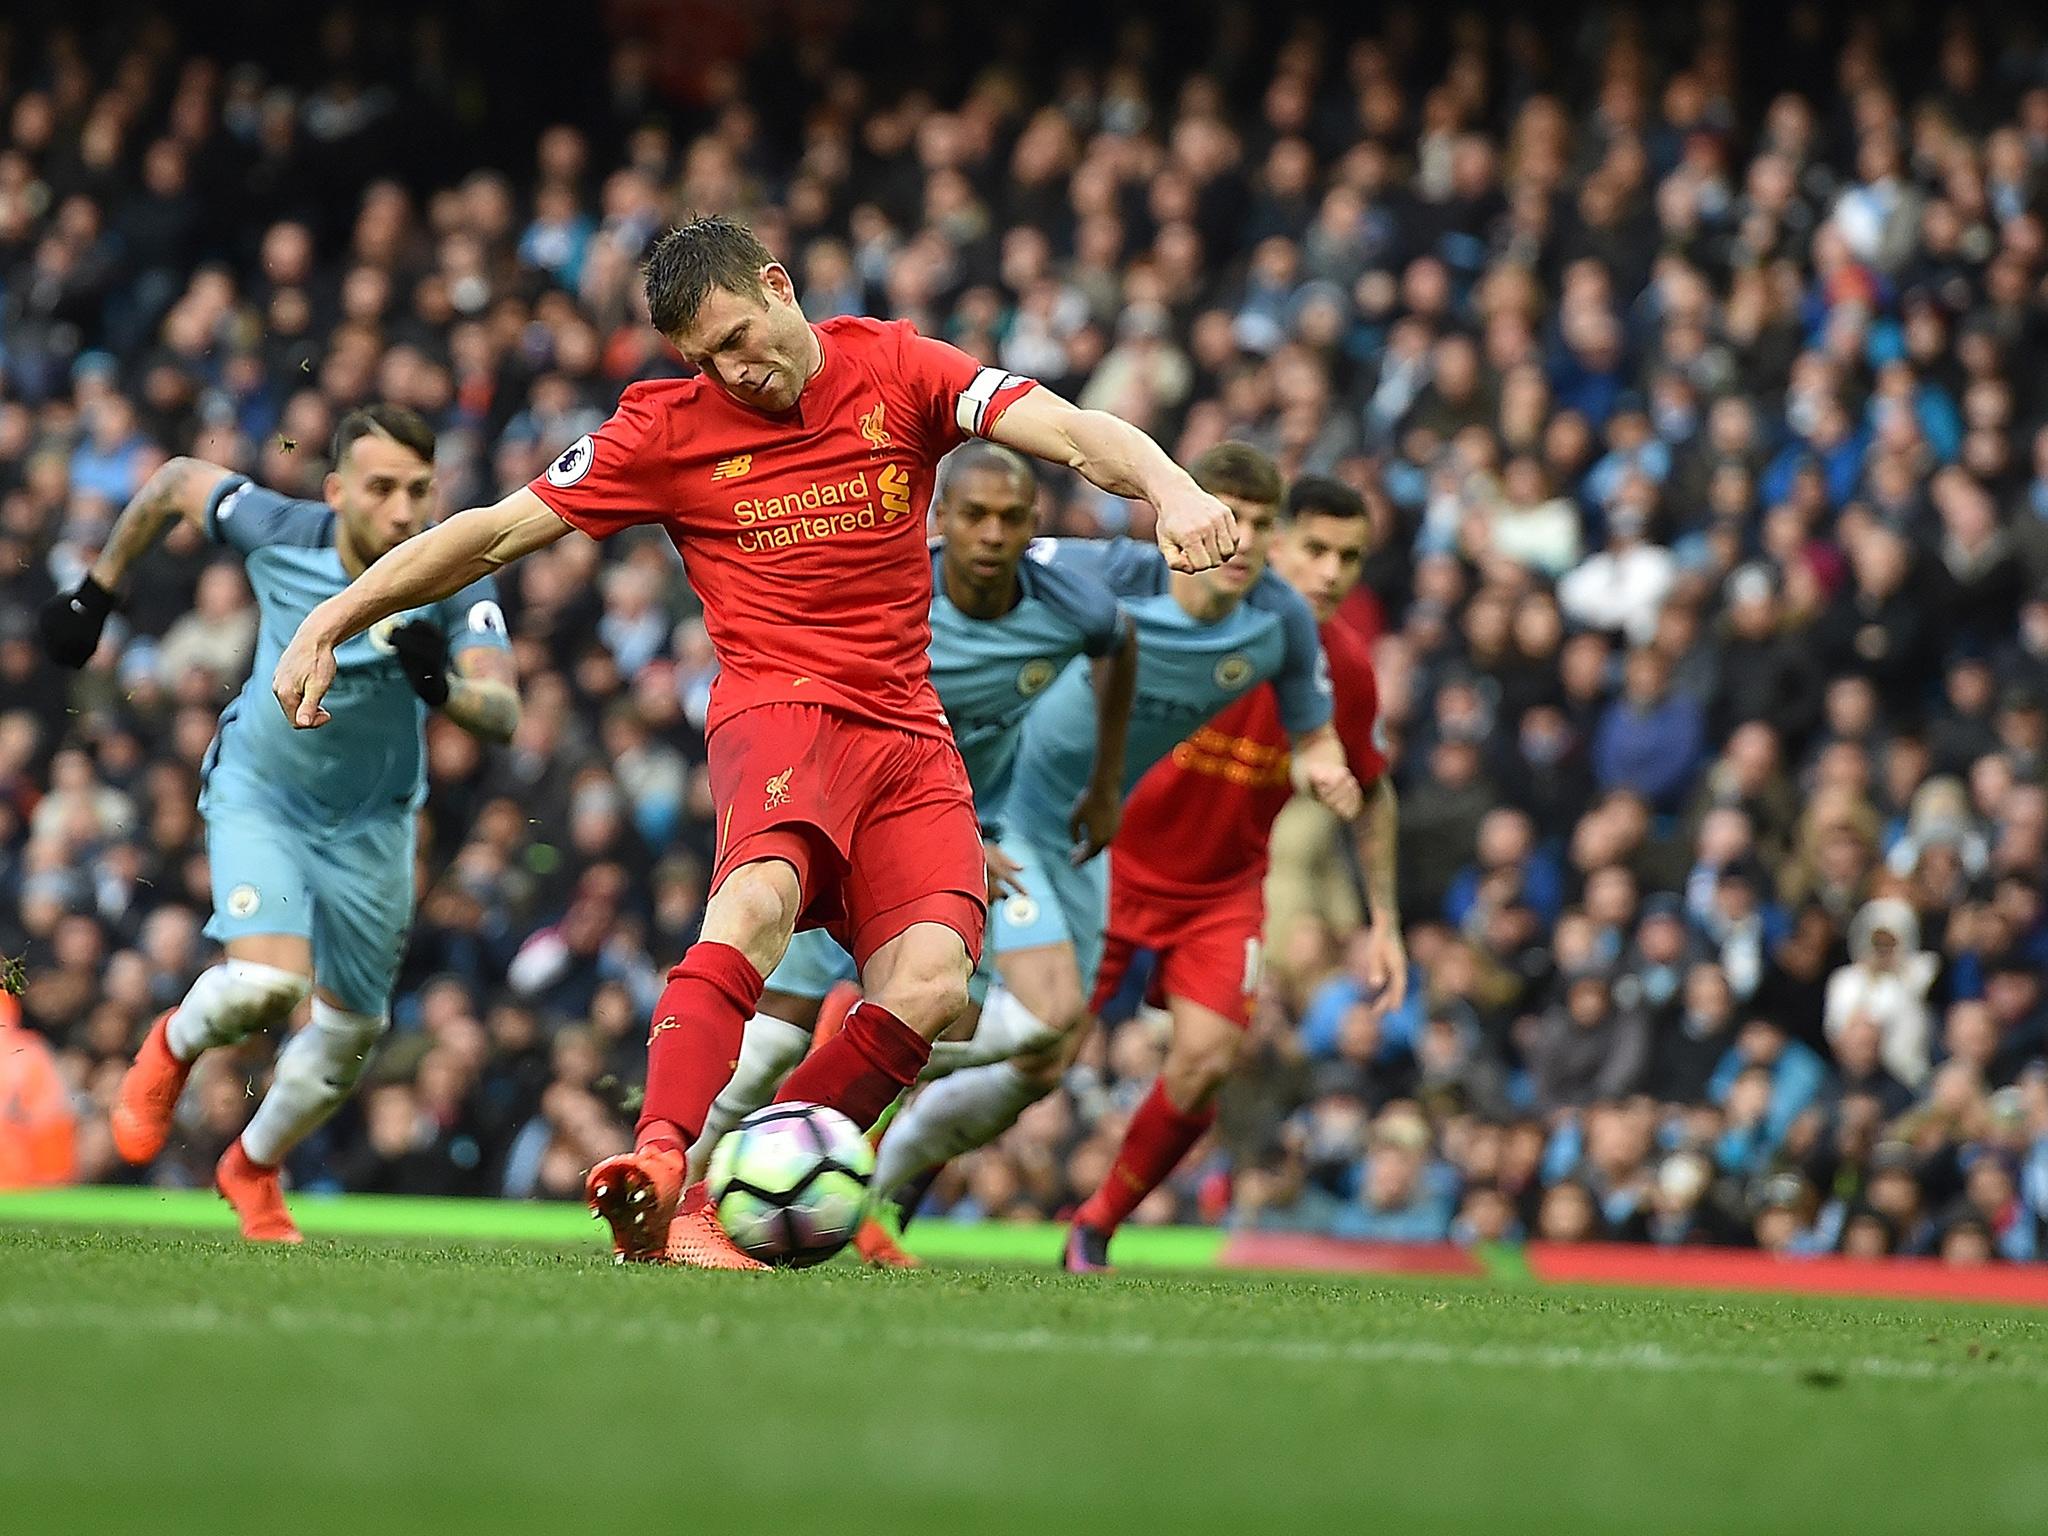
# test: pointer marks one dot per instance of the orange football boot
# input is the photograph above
(637, 1192)
(257, 1197)
(697, 1241)
(877, 1245)
(832, 1012)
(141, 1118)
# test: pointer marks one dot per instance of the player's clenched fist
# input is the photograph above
(1196, 531)
(71, 622)
(304, 673)
(1335, 786)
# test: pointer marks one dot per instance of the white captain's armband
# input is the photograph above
(971, 410)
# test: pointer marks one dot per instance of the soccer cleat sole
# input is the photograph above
(624, 1197)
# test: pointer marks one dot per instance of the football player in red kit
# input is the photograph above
(1188, 868)
(793, 475)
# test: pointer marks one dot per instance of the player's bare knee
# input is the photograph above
(1194, 1072)
(927, 996)
(754, 910)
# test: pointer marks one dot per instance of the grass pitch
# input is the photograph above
(183, 1383)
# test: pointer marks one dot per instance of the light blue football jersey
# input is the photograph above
(1188, 669)
(370, 758)
(991, 672)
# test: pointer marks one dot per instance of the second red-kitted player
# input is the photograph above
(1187, 909)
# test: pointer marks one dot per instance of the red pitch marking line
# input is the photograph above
(1736, 1269)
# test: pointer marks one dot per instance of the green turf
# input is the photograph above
(152, 1383)
(512, 1221)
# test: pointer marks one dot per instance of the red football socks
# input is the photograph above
(1158, 1137)
(860, 1070)
(695, 1041)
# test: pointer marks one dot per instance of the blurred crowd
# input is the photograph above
(1689, 363)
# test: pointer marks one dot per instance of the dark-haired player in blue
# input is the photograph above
(309, 838)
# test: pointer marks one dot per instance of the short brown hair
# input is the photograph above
(1239, 470)
(690, 260)
(398, 423)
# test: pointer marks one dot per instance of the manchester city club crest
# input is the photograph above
(1234, 671)
(1034, 675)
(243, 901)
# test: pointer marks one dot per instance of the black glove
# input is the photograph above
(71, 622)
(423, 651)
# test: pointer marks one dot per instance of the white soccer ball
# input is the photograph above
(790, 1183)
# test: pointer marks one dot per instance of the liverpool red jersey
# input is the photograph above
(1201, 820)
(804, 533)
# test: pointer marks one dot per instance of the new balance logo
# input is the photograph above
(778, 790)
(732, 468)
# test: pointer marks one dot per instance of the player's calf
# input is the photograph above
(700, 1020)
(318, 1069)
(771, 1047)
(1174, 1116)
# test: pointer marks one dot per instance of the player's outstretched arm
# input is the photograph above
(71, 621)
(436, 564)
(1320, 769)
(1101, 806)
(1378, 842)
(1196, 531)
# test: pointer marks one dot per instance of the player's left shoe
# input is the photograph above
(1087, 1251)
(877, 1246)
(148, 1096)
(697, 1241)
(636, 1192)
(257, 1197)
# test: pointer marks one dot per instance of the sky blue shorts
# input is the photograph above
(347, 890)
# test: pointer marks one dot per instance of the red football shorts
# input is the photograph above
(1208, 949)
(879, 823)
